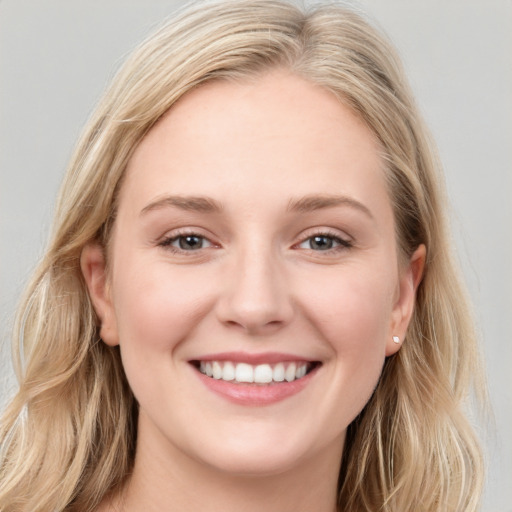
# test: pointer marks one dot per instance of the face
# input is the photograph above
(253, 285)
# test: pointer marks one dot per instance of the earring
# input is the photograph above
(396, 339)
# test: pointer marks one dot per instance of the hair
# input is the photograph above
(68, 437)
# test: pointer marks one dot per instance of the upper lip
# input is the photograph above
(253, 359)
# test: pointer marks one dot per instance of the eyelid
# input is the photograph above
(345, 241)
(170, 242)
(166, 240)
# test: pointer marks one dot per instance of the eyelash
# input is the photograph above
(342, 244)
(168, 241)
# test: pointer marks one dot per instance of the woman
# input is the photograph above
(249, 300)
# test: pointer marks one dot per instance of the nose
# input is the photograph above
(255, 297)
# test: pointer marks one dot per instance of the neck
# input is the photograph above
(174, 482)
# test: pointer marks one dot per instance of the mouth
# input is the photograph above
(255, 379)
(264, 374)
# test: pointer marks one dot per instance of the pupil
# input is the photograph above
(190, 242)
(321, 243)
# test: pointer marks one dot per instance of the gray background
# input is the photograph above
(56, 56)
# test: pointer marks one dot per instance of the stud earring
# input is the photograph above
(396, 339)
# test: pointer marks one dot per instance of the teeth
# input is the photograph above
(217, 370)
(263, 374)
(259, 374)
(278, 374)
(228, 371)
(244, 373)
(289, 373)
(300, 372)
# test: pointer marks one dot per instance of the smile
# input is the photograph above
(255, 380)
(231, 371)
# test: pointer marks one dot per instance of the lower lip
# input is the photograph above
(255, 394)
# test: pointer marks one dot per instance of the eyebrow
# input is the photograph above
(315, 202)
(188, 203)
(304, 204)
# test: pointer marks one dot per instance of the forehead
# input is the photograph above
(278, 132)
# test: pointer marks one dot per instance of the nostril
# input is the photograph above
(255, 327)
(254, 298)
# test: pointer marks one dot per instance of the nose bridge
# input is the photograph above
(256, 297)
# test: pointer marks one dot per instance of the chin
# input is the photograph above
(263, 453)
(255, 463)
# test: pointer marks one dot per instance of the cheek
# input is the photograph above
(352, 315)
(353, 309)
(156, 308)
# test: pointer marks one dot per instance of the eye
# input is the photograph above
(187, 242)
(324, 242)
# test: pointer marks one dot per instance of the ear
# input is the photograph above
(410, 278)
(93, 265)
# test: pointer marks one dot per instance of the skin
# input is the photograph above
(256, 284)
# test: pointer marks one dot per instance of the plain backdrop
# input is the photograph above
(56, 57)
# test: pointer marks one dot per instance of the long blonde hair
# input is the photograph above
(68, 436)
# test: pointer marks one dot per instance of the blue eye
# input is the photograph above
(187, 242)
(323, 243)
